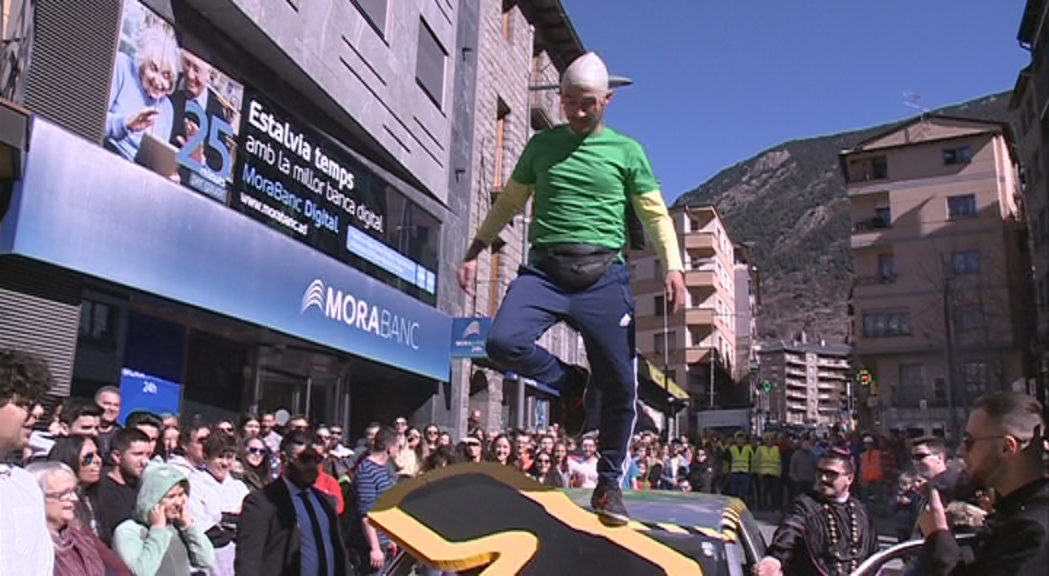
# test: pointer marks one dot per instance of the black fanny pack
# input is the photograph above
(573, 267)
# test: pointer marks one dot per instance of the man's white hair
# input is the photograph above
(587, 71)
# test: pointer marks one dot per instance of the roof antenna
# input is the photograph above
(912, 99)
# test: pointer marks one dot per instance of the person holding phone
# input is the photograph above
(161, 539)
(1003, 448)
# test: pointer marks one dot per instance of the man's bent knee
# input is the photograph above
(507, 350)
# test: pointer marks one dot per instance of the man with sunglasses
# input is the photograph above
(1003, 450)
(827, 532)
(290, 527)
(929, 455)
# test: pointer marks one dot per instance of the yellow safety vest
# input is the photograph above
(741, 458)
(770, 460)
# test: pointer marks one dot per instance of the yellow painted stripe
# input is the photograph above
(711, 533)
(673, 529)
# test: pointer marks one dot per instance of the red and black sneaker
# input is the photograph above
(572, 401)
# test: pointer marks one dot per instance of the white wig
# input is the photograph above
(586, 71)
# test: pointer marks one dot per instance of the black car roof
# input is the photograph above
(665, 509)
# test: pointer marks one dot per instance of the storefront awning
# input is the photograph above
(646, 371)
(14, 126)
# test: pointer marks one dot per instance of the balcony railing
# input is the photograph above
(871, 224)
(875, 279)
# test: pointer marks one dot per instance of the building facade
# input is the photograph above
(1030, 107)
(748, 307)
(524, 47)
(257, 206)
(939, 297)
(809, 384)
(699, 345)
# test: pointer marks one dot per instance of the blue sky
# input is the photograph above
(717, 81)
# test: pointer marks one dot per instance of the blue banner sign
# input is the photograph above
(140, 391)
(468, 337)
(85, 209)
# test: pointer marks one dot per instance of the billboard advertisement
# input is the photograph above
(170, 110)
(176, 114)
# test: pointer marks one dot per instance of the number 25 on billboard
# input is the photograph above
(217, 131)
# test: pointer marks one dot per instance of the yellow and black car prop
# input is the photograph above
(489, 520)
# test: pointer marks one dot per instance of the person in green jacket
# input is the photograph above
(160, 538)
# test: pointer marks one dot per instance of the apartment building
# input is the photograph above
(698, 346)
(810, 383)
(939, 296)
(748, 305)
(524, 46)
(1030, 107)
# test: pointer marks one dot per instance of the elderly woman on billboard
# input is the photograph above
(142, 83)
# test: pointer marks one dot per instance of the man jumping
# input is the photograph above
(581, 174)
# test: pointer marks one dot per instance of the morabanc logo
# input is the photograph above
(314, 296)
(359, 314)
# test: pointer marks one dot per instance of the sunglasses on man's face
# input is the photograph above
(969, 441)
(829, 474)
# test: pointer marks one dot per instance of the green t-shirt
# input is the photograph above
(582, 184)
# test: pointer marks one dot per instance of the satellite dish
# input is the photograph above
(282, 416)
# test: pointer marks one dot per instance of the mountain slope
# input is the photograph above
(790, 202)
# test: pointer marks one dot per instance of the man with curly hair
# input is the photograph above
(25, 543)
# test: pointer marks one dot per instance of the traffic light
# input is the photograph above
(766, 385)
(865, 378)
